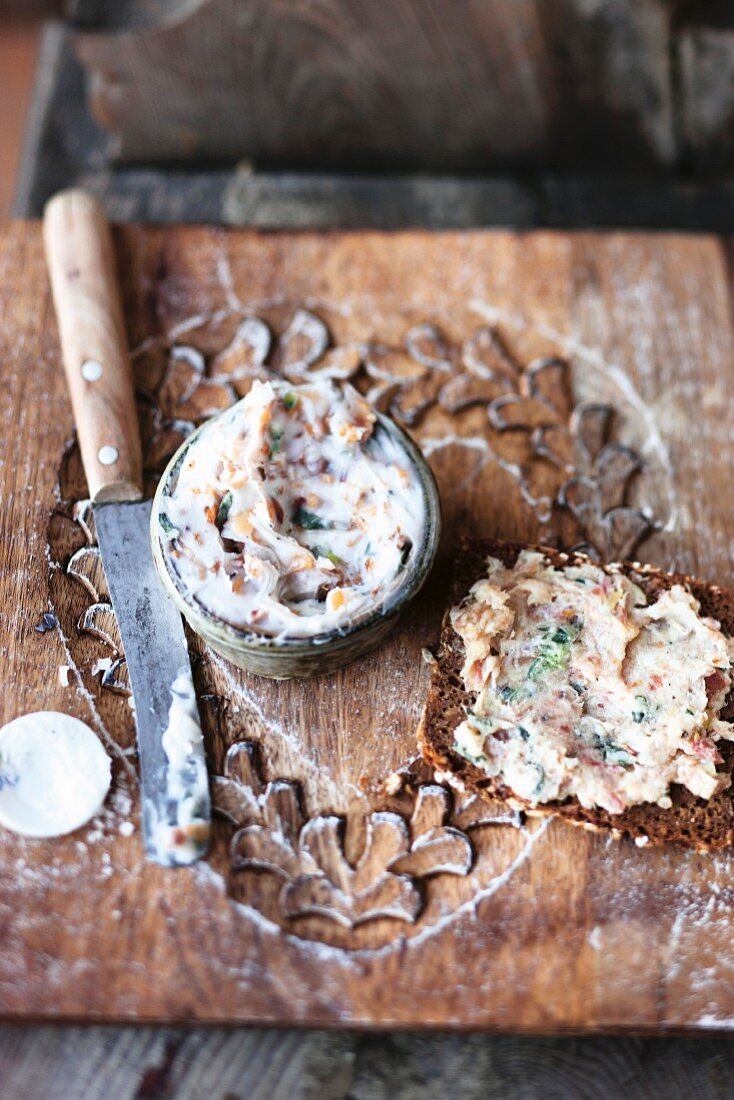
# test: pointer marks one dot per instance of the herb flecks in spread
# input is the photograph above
(584, 690)
(295, 513)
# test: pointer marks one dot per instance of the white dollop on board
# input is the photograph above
(54, 774)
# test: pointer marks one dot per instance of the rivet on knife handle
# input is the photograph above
(81, 264)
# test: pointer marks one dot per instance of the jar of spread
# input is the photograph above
(295, 522)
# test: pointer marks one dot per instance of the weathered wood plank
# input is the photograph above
(705, 49)
(18, 52)
(60, 138)
(65, 147)
(268, 200)
(153, 1064)
(414, 84)
(25, 9)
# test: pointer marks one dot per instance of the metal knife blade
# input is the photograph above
(173, 774)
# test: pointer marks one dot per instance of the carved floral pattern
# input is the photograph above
(531, 417)
(530, 425)
(275, 835)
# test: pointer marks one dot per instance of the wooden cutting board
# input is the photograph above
(565, 387)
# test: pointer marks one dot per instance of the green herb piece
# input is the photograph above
(524, 734)
(276, 442)
(612, 752)
(290, 401)
(541, 781)
(554, 651)
(615, 754)
(324, 552)
(309, 521)
(510, 694)
(225, 507)
(168, 527)
(483, 722)
(551, 657)
(556, 660)
(482, 758)
(578, 688)
(645, 710)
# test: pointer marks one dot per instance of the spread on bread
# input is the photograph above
(586, 691)
(295, 513)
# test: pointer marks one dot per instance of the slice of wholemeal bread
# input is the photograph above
(700, 824)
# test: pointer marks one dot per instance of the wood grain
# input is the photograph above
(533, 368)
(404, 84)
(64, 147)
(18, 52)
(706, 68)
(93, 1063)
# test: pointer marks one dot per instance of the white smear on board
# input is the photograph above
(54, 774)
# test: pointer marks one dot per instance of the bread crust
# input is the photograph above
(691, 821)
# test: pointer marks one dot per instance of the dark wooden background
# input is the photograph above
(627, 138)
(228, 1064)
(415, 84)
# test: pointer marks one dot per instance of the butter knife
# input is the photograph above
(173, 777)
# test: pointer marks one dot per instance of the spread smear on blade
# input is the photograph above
(175, 795)
(182, 836)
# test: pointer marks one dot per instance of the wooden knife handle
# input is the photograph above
(81, 265)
